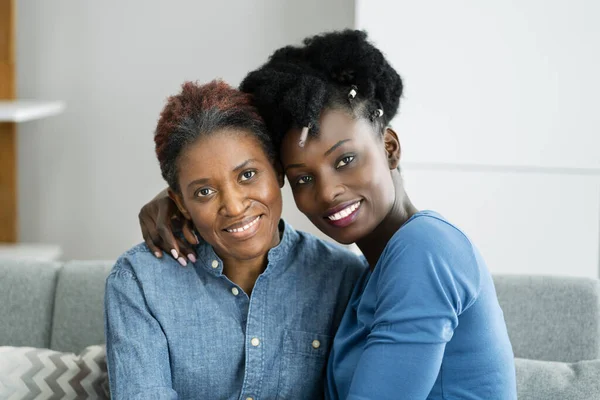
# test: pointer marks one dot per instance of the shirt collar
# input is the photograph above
(210, 261)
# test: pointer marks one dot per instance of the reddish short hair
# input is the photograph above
(200, 110)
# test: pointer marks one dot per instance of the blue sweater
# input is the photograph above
(424, 324)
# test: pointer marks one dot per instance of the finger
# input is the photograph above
(155, 237)
(188, 232)
(150, 243)
(186, 251)
(168, 240)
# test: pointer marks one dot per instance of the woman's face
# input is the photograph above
(341, 179)
(231, 192)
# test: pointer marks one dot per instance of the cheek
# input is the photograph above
(269, 193)
(374, 181)
(202, 215)
(300, 198)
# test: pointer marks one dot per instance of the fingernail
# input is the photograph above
(196, 236)
(158, 254)
(174, 253)
(192, 257)
(182, 261)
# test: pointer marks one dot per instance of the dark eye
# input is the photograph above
(204, 192)
(303, 180)
(345, 161)
(248, 175)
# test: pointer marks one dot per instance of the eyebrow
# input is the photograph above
(244, 164)
(293, 166)
(328, 152)
(335, 146)
(202, 181)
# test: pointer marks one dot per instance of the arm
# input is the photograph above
(416, 311)
(136, 347)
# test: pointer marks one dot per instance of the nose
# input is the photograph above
(328, 189)
(234, 202)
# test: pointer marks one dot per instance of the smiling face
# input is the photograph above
(341, 179)
(231, 191)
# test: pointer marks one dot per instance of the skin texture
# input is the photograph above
(347, 162)
(227, 181)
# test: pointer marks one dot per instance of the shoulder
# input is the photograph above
(321, 257)
(139, 262)
(428, 234)
(430, 251)
(327, 251)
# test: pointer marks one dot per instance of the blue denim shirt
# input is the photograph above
(191, 333)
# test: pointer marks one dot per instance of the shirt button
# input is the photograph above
(316, 344)
(249, 398)
(235, 291)
(255, 342)
(215, 264)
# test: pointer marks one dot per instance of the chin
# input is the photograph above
(249, 252)
(344, 236)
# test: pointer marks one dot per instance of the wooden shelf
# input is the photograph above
(28, 110)
(29, 252)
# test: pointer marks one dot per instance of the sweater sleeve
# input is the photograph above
(422, 288)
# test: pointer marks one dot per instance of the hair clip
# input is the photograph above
(378, 113)
(353, 92)
(304, 135)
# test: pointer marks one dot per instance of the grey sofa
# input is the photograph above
(553, 322)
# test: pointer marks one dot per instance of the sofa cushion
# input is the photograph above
(32, 373)
(549, 380)
(551, 318)
(78, 312)
(26, 298)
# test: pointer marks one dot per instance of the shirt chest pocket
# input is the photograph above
(303, 364)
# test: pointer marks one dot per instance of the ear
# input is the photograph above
(178, 199)
(392, 148)
(279, 173)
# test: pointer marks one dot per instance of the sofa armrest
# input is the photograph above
(551, 318)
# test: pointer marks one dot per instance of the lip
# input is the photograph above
(242, 222)
(347, 220)
(248, 233)
(340, 207)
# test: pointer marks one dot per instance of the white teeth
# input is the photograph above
(245, 227)
(345, 212)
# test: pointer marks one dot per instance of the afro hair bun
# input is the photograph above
(294, 85)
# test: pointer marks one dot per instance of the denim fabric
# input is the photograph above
(191, 333)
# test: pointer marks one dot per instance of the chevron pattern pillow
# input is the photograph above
(30, 373)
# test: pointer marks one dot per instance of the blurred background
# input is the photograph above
(499, 123)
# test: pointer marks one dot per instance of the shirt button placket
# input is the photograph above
(256, 341)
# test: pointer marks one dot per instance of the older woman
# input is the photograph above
(253, 317)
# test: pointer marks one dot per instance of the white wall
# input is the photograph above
(499, 122)
(84, 175)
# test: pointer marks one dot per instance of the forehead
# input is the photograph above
(223, 149)
(334, 125)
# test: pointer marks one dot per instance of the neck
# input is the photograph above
(402, 209)
(244, 273)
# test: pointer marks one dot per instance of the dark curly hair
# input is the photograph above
(297, 83)
(200, 110)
